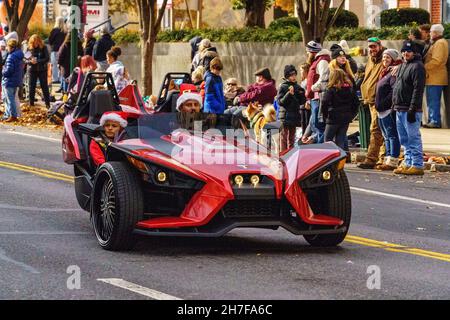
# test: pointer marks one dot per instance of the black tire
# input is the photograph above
(340, 206)
(116, 206)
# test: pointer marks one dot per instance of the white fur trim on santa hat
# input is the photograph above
(189, 96)
(113, 117)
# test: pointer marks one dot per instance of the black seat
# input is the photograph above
(100, 101)
(170, 103)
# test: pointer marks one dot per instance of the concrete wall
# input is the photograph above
(240, 60)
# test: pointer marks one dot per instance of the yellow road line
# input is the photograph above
(392, 247)
(37, 171)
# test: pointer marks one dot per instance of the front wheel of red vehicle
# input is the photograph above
(339, 204)
(116, 206)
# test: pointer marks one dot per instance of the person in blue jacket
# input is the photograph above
(12, 79)
(214, 96)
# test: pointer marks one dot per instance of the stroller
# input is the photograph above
(61, 109)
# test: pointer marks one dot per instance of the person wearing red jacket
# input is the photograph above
(263, 91)
(113, 123)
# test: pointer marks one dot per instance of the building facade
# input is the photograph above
(368, 11)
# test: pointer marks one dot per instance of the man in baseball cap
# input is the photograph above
(374, 67)
(407, 101)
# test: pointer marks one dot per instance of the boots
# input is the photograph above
(414, 171)
(11, 119)
(401, 169)
(389, 164)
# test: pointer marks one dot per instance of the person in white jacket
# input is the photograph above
(117, 69)
(316, 84)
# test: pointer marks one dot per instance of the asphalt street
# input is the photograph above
(400, 227)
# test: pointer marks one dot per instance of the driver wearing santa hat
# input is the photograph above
(189, 101)
(114, 124)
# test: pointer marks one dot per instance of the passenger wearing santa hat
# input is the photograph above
(113, 123)
(189, 100)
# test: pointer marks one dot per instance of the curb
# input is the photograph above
(358, 156)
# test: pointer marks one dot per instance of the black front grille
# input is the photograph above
(252, 208)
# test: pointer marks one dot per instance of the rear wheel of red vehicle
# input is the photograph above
(116, 206)
(339, 205)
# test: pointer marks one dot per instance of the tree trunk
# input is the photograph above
(147, 66)
(19, 23)
(313, 17)
(254, 14)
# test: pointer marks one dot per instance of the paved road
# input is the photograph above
(43, 232)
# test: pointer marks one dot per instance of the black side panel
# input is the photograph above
(83, 190)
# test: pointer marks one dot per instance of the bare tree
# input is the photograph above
(254, 11)
(18, 19)
(314, 19)
(150, 22)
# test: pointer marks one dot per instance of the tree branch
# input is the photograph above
(157, 27)
(336, 14)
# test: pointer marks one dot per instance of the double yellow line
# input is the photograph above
(392, 247)
(36, 171)
(397, 248)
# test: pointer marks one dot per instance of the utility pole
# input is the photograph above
(77, 19)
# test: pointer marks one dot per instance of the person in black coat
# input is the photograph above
(89, 43)
(55, 40)
(101, 47)
(38, 67)
(339, 106)
(64, 60)
(407, 99)
(290, 97)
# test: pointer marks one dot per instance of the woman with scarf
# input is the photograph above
(386, 115)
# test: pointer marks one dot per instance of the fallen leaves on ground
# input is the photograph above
(35, 117)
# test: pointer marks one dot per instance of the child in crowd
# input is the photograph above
(290, 97)
(305, 110)
(214, 96)
(114, 124)
(339, 107)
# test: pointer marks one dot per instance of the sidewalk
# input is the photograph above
(435, 141)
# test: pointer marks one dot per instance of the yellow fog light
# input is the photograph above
(161, 176)
(238, 180)
(326, 175)
(254, 180)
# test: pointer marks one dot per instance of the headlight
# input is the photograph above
(254, 180)
(238, 180)
(163, 177)
(323, 176)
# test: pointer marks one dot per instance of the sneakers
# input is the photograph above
(432, 125)
(366, 165)
(414, 171)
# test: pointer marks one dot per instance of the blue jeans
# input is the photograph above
(9, 96)
(317, 127)
(391, 140)
(411, 139)
(434, 94)
(338, 134)
(55, 69)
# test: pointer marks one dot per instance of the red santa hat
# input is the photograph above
(116, 116)
(188, 92)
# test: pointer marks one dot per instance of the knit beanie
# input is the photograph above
(289, 70)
